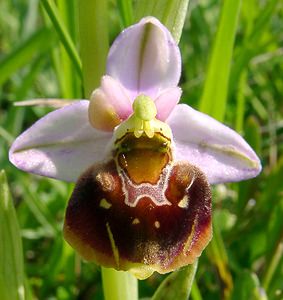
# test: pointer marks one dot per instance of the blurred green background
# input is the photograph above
(244, 260)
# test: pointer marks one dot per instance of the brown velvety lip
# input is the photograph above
(105, 229)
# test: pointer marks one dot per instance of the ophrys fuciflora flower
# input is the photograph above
(143, 163)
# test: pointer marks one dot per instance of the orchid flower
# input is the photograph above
(142, 163)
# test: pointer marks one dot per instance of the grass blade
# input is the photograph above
(247, 287)
(171, 13)
(240, 110)
(93, 25)
(177, 285)
(69, 82)
(62, 32)
(39, 42)
(29, 79)
(126, 12)
(252, 45)
(218, 255)
(11, 253)
(195, 293)
(214, 97)
(273, 262)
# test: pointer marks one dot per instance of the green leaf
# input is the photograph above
(126, 12)
(274, 251)
(39, 209)
(69, 80)
(195, 293)
(214, 96)
(247, 287)
(273, 201)
(241, 99)
(39, 42)
(93, 25)
(6, 135)
(216, 251)
(63, 34)
(252, 46)
(29, 78)
(177, 285)
(273, 186)
(171, 13)
(12, 279)
(253, 134)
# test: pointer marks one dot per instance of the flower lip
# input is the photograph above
(143, 237)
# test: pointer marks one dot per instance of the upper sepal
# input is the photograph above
(145, 59)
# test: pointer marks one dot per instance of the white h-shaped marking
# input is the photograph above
(134, 192)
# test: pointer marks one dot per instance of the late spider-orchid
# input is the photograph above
(142, 163)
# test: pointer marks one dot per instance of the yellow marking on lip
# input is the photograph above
(157, 224)
(105, 204)
(113, 245)
(106, 181)
(184, 202)
(188, 244)
(136, 221)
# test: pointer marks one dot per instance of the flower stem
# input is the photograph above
(118, 285)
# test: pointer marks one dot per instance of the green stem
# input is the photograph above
(94, 41)
(118, 285)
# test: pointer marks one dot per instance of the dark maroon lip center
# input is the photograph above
(146, 232)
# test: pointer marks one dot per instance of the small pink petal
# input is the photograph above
(221, 153)
(101, 114)
(116, 96)
(60, 145)
(109, 105)
(145, 59)
(166, 102)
